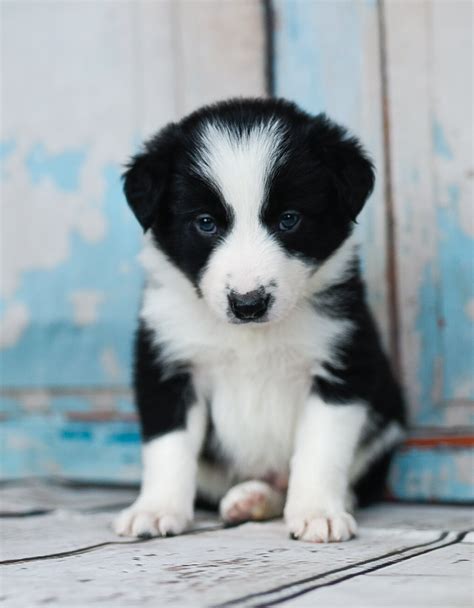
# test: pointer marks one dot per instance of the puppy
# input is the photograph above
(259, 377)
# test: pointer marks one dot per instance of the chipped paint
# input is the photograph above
(63, 168)
(433, 475)
(14, 321)
(86, 304)
(53, 340)
(311, 69)
(441, 146)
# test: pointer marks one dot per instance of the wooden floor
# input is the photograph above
(57, 549)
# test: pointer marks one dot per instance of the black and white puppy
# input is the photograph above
(259, 376)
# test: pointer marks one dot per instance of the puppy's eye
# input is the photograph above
(206, 224)
(289, 221)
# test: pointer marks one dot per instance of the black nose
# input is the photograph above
(249, 306)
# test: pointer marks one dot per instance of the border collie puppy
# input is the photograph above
(260, 381)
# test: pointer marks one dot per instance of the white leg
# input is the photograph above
(165, 503)
(326, 441)
(251, 501)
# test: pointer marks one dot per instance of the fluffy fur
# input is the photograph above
(259, 376)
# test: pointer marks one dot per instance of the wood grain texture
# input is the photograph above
(429, 66)
(208, 568)
(219, 51)
(103, 75)
(327, 59)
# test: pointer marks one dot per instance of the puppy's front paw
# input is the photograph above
(319, 526)
(144, 521)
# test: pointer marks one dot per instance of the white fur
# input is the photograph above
(251, 500)
(249, 258)
(165, 503)
(316, 508)
(258, 375)
(391, 436)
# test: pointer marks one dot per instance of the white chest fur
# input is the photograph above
(255, 378)
(255, 399)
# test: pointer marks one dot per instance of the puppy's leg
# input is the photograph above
(251, 500)
(173, 422)
(318, 492)
(165, 503)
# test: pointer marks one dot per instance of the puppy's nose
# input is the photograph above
(249, 306)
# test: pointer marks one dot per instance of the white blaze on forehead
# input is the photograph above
(240, 164)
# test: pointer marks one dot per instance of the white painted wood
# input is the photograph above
(417, 517)
(219, 51)
(452, 40)
(413, 193)
(21, 498)
(66, 530)
(196, 570)
(439, 579)
(327, 59)
(214, 565)
(430, 85)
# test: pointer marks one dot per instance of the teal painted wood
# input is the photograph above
(81, 312)
(327, 59)
(70, 281)
(433, 475)
(429, 70)
(69, 437)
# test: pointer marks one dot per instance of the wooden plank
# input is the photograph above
(452, 40)
(39, 496)
(434, 473)
(327, 59)
(439, 578)
(65, 532)
(103, 76)
(417, 517)
(76, 438)
(206, 569)
(219, 51)
(62, 303)
(428, 66)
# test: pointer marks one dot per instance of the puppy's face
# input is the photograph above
(248, 199)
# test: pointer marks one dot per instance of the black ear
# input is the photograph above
(348, 165)
(147, 176)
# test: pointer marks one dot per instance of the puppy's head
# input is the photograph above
(248, 199)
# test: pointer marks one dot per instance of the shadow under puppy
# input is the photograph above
(259, 377)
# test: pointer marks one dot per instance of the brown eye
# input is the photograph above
(289, 221)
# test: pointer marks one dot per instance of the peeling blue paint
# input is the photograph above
(125, 437)
(433, 475)
(319, 76)
(52, 350)
(64, 168)
(7, 148)
(440, 143)
(430, 343)
(456, 263)
(42, 445)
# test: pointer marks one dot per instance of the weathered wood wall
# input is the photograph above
(430, 84)
(83, 83)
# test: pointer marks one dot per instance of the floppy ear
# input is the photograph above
(147, 176)
(348, 165)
